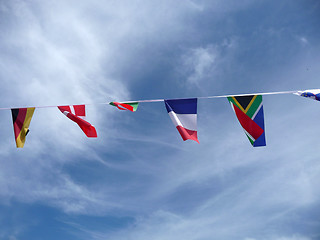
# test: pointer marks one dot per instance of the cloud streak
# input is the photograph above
(73, 52)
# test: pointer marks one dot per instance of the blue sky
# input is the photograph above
(138, 179)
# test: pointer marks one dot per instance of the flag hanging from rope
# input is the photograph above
(249, 111)
(77, 114)
(21, 118)
(126, 106)
(183, 113)
(313, 94)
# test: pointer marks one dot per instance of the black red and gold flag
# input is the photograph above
(21, 118)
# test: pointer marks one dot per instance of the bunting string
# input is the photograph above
(218, 96)
(182, 111)
(54, 106)
(161, 100)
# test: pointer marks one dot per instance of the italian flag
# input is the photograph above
(132, 106)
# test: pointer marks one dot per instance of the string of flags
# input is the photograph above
(248, 109)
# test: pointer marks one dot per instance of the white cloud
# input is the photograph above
(202, 66)
(201, 62)
(294, 237)
(220, 188)
(303, 40)
(56, 53)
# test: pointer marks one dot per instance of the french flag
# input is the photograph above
(183, 113)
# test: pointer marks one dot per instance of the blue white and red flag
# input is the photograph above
(183, 113)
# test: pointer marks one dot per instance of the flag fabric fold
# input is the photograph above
(312, 93)
(126, 106)
(183, 113)
(249, 111)
(77, 114)
(21, 118)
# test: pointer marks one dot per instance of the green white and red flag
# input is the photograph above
(132, 106)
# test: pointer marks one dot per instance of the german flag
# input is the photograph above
(21, 118)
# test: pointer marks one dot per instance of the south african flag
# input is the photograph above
(249, 111)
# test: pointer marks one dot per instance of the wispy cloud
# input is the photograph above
(73, 52)
(70, 59)
(205, 64)
(200, 61)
